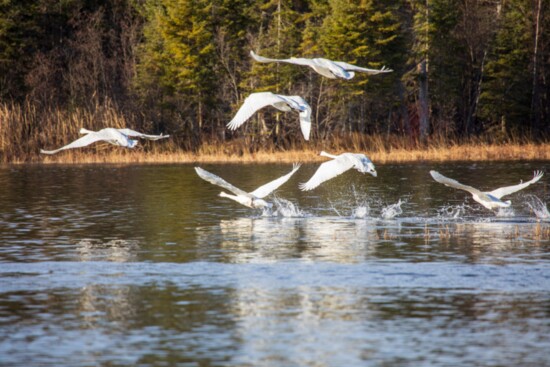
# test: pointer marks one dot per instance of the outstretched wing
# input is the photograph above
(327, 171)
(503, 191)
(305, 122)
(216, 180)
(135, 134)
(305, 115)
(268, 188)
(455, 184)
(292, 60)
(251, 104)
(350, 67)
(88, 139)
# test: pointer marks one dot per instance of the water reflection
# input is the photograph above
(113, 250)
(144, 265)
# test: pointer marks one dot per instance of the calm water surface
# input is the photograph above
(146, 265)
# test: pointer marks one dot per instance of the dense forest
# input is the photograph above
(462, 68)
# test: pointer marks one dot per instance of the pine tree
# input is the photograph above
(366, 34)
(177, 60)
(506, 98)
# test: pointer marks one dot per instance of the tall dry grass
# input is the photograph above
(24, 130)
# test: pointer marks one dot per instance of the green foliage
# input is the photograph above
(507, 93)
(183, 66)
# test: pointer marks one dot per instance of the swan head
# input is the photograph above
(132, 143)
(367, 167)
(372, 170)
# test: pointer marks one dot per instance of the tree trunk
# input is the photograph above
(535, 95)
(423, 102)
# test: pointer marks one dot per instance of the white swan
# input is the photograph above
(338, 165)
(256, 101)
(120, 137)
(489, 199)
(325, 67)
(252, 199)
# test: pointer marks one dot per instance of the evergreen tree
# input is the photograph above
(366, 34)
(506, 96)
(177, 61)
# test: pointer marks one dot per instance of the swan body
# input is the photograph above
(338, 165)
(325, 67)
(119, 137)
(257, 101)
(252, 199)
(489, 199)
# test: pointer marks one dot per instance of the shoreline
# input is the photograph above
(464, 152)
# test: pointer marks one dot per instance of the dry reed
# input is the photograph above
(24, 130)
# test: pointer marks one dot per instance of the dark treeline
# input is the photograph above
(461, 67)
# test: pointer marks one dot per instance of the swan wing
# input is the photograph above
(251, 104)
(135, 134)
(218, 181)
(268, 188)
(503, 191)
(305, 122)
(305, 115)
(83, 141)
(327, 171)
(455, 184)
(292, 60)
(350, 67)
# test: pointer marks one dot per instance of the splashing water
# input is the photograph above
(452, 211)
(538, 207)
(361, 211)
(285, 208)
(392, 210)
(505, 212)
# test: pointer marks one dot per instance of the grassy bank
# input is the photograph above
(463, 152)
(24, 130)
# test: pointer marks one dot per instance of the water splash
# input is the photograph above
(538, 207)
(452, 211)
(361, 211)
(392, 210)
(287, 209)
(505, 212)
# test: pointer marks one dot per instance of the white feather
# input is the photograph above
(253, 199)
(325, 67)
(257, 101)
(489, 199)
(110, 135)
(338, 165)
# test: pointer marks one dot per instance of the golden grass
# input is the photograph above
(24, 130)
(159, 154)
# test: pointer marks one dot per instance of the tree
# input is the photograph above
(176, 62)
(364, 33)
(507, 96)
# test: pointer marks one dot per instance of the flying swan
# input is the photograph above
(489, 199)
(257, 101)
(252, 199)
(338, 165)
(325, 67)
(120, 137)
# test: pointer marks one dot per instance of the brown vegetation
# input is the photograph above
(21, 141)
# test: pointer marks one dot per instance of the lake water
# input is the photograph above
(146, 265)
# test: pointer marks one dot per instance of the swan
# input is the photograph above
(325, 67)
(256, 101)
(489, 199)
(252, 199)
(338, 165)
(120, 137)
